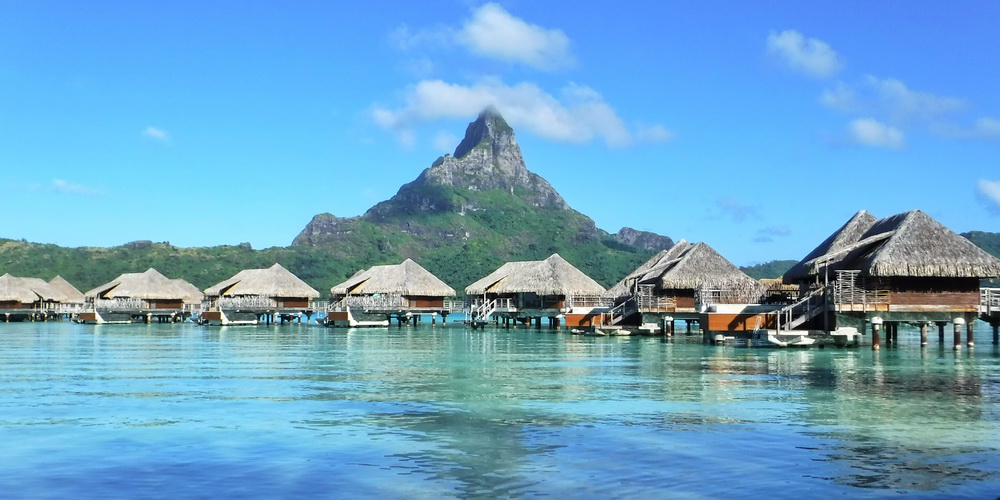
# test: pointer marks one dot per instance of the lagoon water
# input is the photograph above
(183, 411)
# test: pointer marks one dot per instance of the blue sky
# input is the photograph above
(756, 127)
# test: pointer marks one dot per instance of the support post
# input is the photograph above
(941, 333)
(958, 322)
(668, 326)
(876, 333)
(996, 333)
(968, 337)
(923, 334)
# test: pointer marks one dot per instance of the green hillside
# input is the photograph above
(772, 269)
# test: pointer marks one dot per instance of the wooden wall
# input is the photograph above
(426, 302)
(296, 302)
(934, 291)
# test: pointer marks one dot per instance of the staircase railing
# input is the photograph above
(619, 312)
(483, 310)
(989, 301)
(797, 313)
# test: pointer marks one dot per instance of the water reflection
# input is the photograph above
(447, 411)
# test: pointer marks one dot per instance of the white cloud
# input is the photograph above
(869, 132)
(904, 105)
(842, 98)
(156, 133)
(807, 55)
(899, 107)
(66, 187)
(579, 115)
(987, 128)
(989, 191)
(493, 32)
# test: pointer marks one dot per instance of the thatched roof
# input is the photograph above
(150, 285)
(833, 247)
(776, 284)
(552, 276)
(910, 244)
(27, 290)
(408, 278)
(275, 281)
(194, 295)
(691, 267)
(921, 246)
(650, 270)
(70, 293)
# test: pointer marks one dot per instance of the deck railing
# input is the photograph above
(245, 302)
(654, 303)
(583, 301)
(132, 304)
(706, 297)
(501, 304)
(385, 302)
(989, 301)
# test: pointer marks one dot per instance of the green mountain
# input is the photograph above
(990, 242)
(470, 212)
(461, 218)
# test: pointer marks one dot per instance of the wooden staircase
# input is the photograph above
(806, 308)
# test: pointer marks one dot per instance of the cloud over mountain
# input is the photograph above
(578, 115)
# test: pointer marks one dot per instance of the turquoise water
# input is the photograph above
(183, 411)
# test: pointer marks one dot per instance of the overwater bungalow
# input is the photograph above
(374, 296)
(691, 282)
(907, 268)
(526, 292)
(140, 297)
(73, 299)
(28, 298)
(259, 295)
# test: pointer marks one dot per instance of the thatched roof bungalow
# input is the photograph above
(550, 277)
(672, 280)
(141, 291)
(405, 286)
(264, 289)
(142, 296)
(543, 288)
(907, 267)
(21, 294)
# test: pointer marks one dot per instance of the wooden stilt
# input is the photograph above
(958, 322)
(876, 333)
(968, 337)
(923, 335)
(996, 333)
(941, 333)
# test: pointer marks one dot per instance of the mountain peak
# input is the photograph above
(488, 158)
(489, 127)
